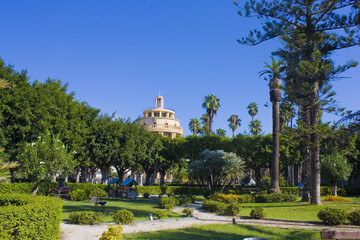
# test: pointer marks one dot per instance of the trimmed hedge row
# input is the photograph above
(24, 216)
(25, 188)
(168, 190)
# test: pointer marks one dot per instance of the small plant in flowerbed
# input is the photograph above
(335, 199)
(257, 213)
(332, 216)
(113, 233)
(354, 217)
(168, 202)
(123, 217)
(187, 212)
(161, 214)
(86, 217)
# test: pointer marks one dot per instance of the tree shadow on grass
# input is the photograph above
(227, 232)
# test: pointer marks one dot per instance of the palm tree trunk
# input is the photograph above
(275, 188)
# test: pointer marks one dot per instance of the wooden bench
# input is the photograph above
(64, 191)
(340, 235)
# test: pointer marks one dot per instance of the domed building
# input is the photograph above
(161, 120)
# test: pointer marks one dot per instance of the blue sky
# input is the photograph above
(116, 55)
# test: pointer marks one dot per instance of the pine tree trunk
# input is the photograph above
(66, 179)
(335, 190)
(78, 172)
(315, 151)
(162, 177)
(258, 177)
(53, 177)
(291, 175)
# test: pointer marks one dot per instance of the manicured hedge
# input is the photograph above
(169, 190)
(45, 186)
(24, 216)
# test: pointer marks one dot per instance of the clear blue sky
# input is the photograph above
(116, 55)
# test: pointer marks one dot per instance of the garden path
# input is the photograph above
(80, 232)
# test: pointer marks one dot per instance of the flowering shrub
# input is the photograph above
(335, 199)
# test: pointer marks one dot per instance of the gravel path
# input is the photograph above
(89, 232)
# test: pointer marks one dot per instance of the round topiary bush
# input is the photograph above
(332, 216)
(214, 206)
(113, 233)
(354, 217)
(86, 217)
(187, 212)
(161, 214)
(168, 202)
(123, 217)
(97, 192)
(78, 195)
(257, 213)
(232, 209)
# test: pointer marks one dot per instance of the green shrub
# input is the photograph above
(232, 209)
(275, 197)
(326, 191)
(354, 217)
(123, 217)
(161, 214)
(113, 233)
(332, 216)
(214, 206)
(187, 212)
(290, 190)
(24, 216)
(185, 199)
(246, 198)
(168, 202)
(78, 195)
(257, 213)
(352, 191)
(86, 217)
(97, 192)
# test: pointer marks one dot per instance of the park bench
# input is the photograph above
(340, 235)
(63, 191)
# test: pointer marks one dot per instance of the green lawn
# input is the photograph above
(140, 207)
(228, 231)
(298, 210)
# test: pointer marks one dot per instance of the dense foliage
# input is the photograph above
(24, 216)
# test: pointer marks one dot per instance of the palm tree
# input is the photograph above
(194, 125)
(211, 104)
(274, 71)
(205, 119)
(234, 123)
(354, 119)
(253, 110)
(287, 113)
(220, 132)
(255, 127)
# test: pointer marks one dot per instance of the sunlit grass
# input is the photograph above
(141, 208)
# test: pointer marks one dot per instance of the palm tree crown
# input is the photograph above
(211, 104)
(253, 110)
(194, 125)
(234, 123)
(255, 127)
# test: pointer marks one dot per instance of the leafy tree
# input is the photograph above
(216, 170)
(252, 110)
(335, 168)
(311, 31)
(44, 157)
(255, 151)
(173, 154)
(194, 125)
(211, 104)
(274, 71)
(234, 123)
(220, 132)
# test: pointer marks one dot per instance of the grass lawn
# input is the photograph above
(298, 210)
(141, 208)
(228, 231)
